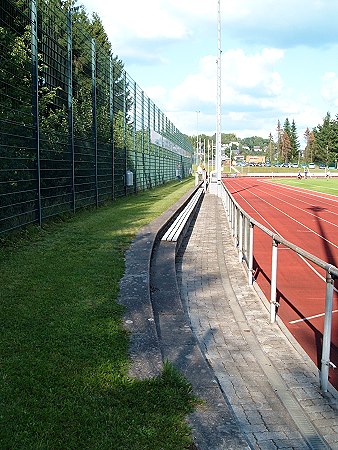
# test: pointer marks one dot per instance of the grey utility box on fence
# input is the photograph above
(129, 178)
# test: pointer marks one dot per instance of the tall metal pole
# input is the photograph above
(218, 107)
(94, 120)
(35, 105)
(70, 102)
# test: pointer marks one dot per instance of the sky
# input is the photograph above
(279, 60)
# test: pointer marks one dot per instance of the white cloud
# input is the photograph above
(133, 20)
(253, 72)
(248, 20)
(247, 79)
(329, 88)
(253, 96)
(171, 47)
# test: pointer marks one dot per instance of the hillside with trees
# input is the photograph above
(321, 143)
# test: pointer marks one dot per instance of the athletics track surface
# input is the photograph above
(309, 220)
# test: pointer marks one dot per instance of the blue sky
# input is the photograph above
(279, 60)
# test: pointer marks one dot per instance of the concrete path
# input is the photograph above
(267, 381)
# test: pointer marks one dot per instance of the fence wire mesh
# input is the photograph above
(73, 123)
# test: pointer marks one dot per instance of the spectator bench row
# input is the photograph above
(182, 221)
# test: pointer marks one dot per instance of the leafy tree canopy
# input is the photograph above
(326, 139)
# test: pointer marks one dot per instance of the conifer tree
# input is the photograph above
(279, 141)
(295, 145)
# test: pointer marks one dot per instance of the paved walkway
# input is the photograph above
(267, 381)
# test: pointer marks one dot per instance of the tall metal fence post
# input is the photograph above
(150, 183)
(35, 103)
(70, 102)
(273, 300)
(111, 117)
(325, 362)
(154, 147)
(135, 143)
(125, 132)
(94, 123)
(142, 140)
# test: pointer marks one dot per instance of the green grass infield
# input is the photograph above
(324, 185)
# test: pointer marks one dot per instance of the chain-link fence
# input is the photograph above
(75, 129)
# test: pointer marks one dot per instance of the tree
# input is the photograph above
(295, 145)
(285, 146)
(326, 139)
(279, 141)
(287, 126)
(287, 141)
(310, 145)
(270, 147)
(255, 141)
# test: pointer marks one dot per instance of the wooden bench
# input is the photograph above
(183, 219)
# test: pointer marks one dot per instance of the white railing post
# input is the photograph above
(234, 221)
(236, 226)
(240, 237)
(230, 212)
(227, 202)
(245, 238)
(250, 255)
(325, 363)
(273, 301)
(228, 207)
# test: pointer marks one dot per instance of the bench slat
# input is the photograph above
(181, 218)
(175, 229)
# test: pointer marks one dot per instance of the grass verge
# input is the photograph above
(63, 349)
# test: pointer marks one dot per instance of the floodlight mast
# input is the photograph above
(218, 103)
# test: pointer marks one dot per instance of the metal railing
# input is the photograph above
(75, 129)
(242, 229)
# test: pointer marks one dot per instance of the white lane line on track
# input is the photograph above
(307, 191)
(295, 220)
(307, 203)
(310, 317)
(266, 221)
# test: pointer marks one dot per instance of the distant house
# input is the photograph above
(257, 148)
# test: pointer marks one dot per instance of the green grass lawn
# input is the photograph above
(63, 349)
(327, 186)
(275, 170)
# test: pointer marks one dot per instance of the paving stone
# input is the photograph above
(260, 390)
(242, 371)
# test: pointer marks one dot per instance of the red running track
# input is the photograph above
(309, 220)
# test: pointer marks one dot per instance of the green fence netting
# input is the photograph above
(75, 129)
